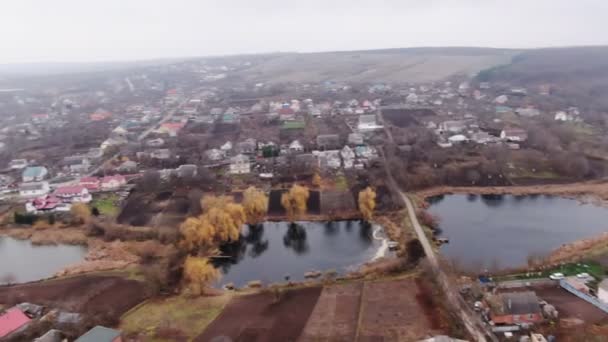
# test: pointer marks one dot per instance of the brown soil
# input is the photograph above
(87, 293)
(579, 249)
(396, 310)
(51, 236)
(260, 318)
(336, 314)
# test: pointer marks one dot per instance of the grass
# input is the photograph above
(186, 315)
(341, 183)
(593, 268)
(106, 204)
(525, 173)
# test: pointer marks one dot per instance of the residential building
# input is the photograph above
(226, 147)
(34, 173)
(482, 137)
(72, 194)
(452, 126)
(355, 139)
(457, 139)
(95, 153)
(112, 182)
(563, 116)
(113, 141)
(296, 147)
(516, 308)
(47, 204)
(171, 128)
(502, 99)
(34, 189)
(76, 164)
(348, 157)
(158, 142)
(101, 334)
(162, 153)
(514, 135)
(240, 164)
(602, 291)
(91, 183)
(127, 166)
(187, 170)
(329, 159)
(247, 147)
(527, 112)
(100, 115)
(18, 164)
(215, 154)
(11, 321)
(367, 122)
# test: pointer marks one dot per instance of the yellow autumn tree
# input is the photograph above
(220, 222)
(198, 273)
(81, 213)
(367, 203)
(255, 203)
(316, 180)
(294, 201)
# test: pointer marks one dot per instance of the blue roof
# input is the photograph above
(99, 334)
(34, 171)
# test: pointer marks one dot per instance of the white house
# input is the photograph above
(514, 134)
(36, 189)
(296, 146)
(18, 164)
(368, 123)
(34, 173)
(602, 291)
(240, 164)
(456, 139)
(563, 116)
(112, 182)
(348, 157)
(73, 194)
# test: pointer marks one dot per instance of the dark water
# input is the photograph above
(276, 249)
(501, 231)
(20, 261)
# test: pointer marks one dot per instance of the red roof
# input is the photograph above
(284, 111)
(173, 126)
(89, 180)
(69, 190)
(12, 320)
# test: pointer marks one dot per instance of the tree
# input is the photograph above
(198, 272)
(220, 222)
(295, 201)
(255, 203)
(316, 180)
(367, 203)
(81, 213)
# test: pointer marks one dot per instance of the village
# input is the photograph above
(128, 159)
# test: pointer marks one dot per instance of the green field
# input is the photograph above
(106, 204)
(593, 268)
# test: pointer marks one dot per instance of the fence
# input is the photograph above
(592, 300)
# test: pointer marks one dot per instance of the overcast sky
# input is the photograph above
(101, 30)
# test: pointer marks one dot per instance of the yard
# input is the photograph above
(107, 204)
(174, 318)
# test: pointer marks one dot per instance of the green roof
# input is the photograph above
(99, 334)
(294, 125)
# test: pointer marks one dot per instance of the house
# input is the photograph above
(101, 334)
(329, 159)
(76, 164)
(355, 139)
(34, 173)
(503, 109)
(47, 204)
(11, 321)
(34, 189)
(328, 141)
(411, 98)
(452, 126)
(226, 147)
(247, 147)
(502, 99)
(90, 183)
(112, 182)
(602, 291)
(240, 164)
(348, 157)
(367, 122)
(127, 166)
(158, 142)
(162, 153)
(187, 170)
(457, 139)
(563, 116)
(296, 147)
(72, 194)
(215, 154)
(286, 114)
(113, 141)
(482, 137)
(40, 118)
(18, 164)
(514, 135)
(516, 308)
(95, 153)
(171, 128)
(100, 115)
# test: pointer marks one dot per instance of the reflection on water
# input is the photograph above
(501, 231)
(276, 250)
(20, 261)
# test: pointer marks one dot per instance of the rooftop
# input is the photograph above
(12, 320)
(99, 334)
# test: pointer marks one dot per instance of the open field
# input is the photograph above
(87, 293)
(173, 318)
(259, 317)
(570, 306)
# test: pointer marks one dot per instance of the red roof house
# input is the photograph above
(171, 128)
(12, 320)
(100, 115)
(73, 193)
(91, 183)
(113, 182)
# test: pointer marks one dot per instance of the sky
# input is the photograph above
(117, 30)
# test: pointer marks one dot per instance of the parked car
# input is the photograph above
(557, 276)
(584, 275)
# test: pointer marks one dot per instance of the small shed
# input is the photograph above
(101, 334)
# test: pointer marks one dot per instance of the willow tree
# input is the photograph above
(198, 273)
(295, 201)
(367, 203)
(255, 203)
(220, 222)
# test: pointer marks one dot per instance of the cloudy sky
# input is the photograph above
(101, 30)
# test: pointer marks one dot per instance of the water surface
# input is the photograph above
(278, 249)
(20, 261)
(500, 231)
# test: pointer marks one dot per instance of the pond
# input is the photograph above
(502, 231)
(20, 261)
(274, 250)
